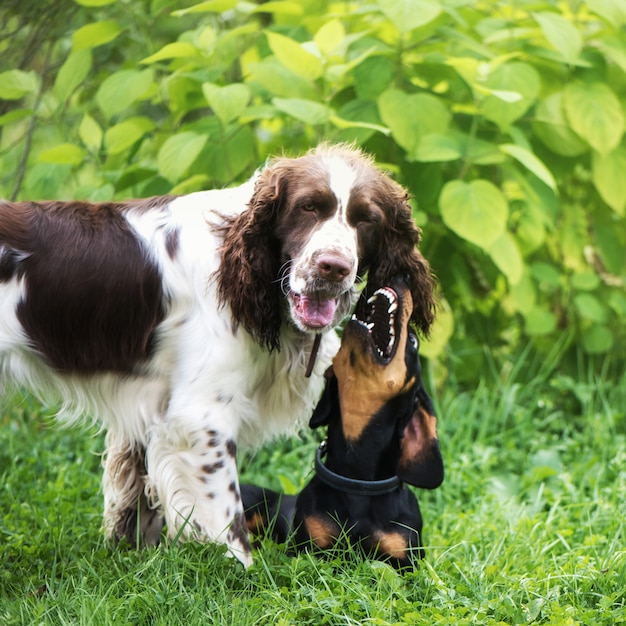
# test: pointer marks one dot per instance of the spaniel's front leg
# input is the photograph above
(191, 461)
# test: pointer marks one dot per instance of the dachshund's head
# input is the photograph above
(375, 395)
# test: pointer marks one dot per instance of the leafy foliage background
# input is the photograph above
(505, 120)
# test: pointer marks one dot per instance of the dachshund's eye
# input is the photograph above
(414, 341)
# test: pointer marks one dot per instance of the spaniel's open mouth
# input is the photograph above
(379, 319)
(314, 311)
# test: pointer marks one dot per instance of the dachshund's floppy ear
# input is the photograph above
(246, 279)
(421, 464)
(329, 402)
(398, 254)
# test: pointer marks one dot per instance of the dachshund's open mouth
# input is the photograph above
(378, 319)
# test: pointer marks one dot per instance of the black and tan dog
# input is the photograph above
(381, 435)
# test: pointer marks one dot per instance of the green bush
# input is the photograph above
(505, 121)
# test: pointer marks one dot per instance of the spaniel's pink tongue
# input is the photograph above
(316, 312)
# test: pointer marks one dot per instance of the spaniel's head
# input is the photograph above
(314, 226)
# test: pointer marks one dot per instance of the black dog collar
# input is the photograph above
(353, 485)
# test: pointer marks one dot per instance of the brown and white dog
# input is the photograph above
(184, 324)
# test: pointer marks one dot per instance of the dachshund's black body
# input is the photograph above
(381, 435)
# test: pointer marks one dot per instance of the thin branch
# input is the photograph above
(21, 169)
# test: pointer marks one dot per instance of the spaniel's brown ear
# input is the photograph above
(421, 464)
(247, 278)
(398, 255)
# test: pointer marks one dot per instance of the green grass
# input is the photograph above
(528, 527)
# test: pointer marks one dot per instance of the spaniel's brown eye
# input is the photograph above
(308, 207)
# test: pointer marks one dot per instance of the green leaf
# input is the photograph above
(197, 182)
(211, 6)
(123, 135)
(294, 57)
(615, 49)
(585, 281)
(343, 123)
(94, 35)
(590, 308)
(277, 80)
(476, 211)
(178, 153)
(539, 322)
(64, 153)
(530, 228)
(506, 255)
(410, 117)
(279, 8)
(597, 340)
(554, 130)
(330, 37)
(117, 92)
(373, 76)
(613, 11)
(226, 161)
(530, 162)
(15, 116)
(441, 331)
(546, 275)
(176, 50)
(617, 302)
(573, 236)
(227, 102)
(106, 193)
(561, 33)
(94, 3)
(287, 485)
(133, 175)
(609, 242)
(406, 15)
(519, 78)
(15, 84)
(306, 111)
(90, 133)
(358, 120)
(477, 150)
(608, 172)
(595, 113)
(523, 294)
(72, 73)
(435, 148)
